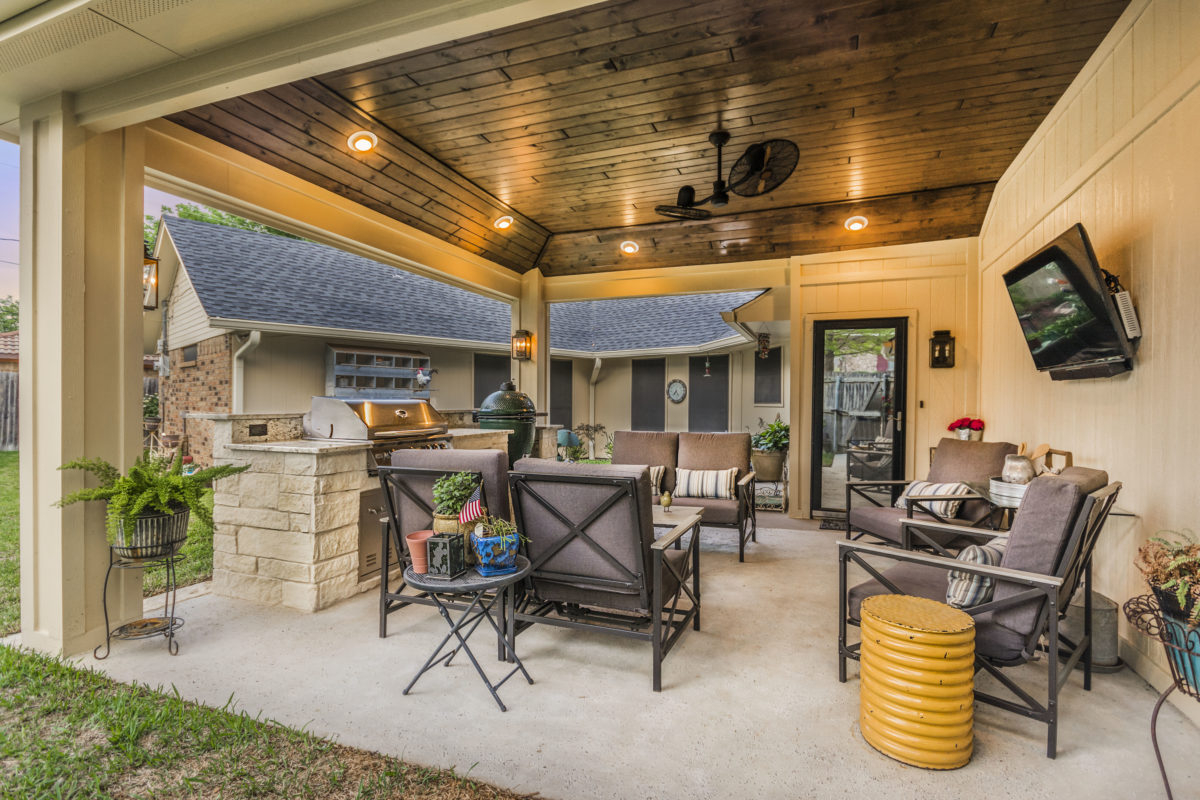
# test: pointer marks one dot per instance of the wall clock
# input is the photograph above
(676, 390)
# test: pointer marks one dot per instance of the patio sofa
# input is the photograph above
(698, 451)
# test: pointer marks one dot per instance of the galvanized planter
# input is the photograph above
(154, 536)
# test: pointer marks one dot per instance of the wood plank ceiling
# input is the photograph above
(578, 125)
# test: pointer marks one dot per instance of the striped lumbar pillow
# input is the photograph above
(705, 482)
(965, 590)
(943, 508)
(656, 476)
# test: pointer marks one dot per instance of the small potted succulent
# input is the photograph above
(1172, 568)
(770, 449)
(967, 428)
(495, 543)
(148, 506)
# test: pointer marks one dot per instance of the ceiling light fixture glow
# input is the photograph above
(856, 223)
(503, 222)
(362, 141)
(629, 247)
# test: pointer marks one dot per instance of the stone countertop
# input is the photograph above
(465, 432)
(321, 446)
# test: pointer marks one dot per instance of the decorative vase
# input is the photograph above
(968, 435)
(497, 555)
(664, 500)
(418, 550)
(1017, 469)
(154, 535)
(448, 523)
(768, 464)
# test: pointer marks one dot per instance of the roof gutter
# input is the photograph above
(239, 370)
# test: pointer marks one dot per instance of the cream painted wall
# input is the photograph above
(1118, 153)
(933, 284)
(285, 372)
(186, 321)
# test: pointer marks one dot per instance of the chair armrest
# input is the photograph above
(663, 542)
(747, 479)
(931, 498)
(861, 484)
(1034, 579)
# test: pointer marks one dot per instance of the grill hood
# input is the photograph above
(364, 420)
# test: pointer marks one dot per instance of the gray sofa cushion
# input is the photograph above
(715, 451)
(716, 510)
(493, 464)
(992, 640)
(652, 448)
(884, 522)
(969, 462)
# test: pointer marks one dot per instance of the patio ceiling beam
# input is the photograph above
(346, 38)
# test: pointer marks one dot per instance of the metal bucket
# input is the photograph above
(154, 536)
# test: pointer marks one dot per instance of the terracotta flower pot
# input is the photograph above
(418, 550)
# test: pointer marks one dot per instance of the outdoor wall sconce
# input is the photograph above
(522, 345)
(941, 350)
(764, 345)
(149, 282)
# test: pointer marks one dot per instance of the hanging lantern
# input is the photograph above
(707, 368)
(764, 344)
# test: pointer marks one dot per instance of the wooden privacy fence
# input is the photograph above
(8, 411)
(853, 409)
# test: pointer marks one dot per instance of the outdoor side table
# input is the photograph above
(479, 609)
(917, 679)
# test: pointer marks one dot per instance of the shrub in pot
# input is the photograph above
(149, 505)
(1172, 568)
(495, 543)
(450, 493)
(770, 448)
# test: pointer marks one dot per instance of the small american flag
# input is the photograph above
(473, 509)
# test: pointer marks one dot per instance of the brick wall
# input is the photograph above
(204, 385)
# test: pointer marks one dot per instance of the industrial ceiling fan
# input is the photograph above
(761, 169)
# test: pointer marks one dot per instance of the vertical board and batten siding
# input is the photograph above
(186, 321)
(9, 427)
(1119, 154)
(932, 284)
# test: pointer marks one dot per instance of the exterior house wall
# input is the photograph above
(932, 284)
(186, 321)
(1117, 153)
(203, 385)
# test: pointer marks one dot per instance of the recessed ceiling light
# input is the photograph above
(856, 223)
(503, 222)
(629, 247)
(362, 141)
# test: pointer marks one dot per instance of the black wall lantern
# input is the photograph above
(522, 345)
(149, 282)
(941, 350)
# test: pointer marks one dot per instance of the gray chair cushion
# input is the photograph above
(625, 531)
(1089, 480)
(969, 462)
(493, 464)
(715, 451)
(884, 522)
(1039, 534)
(717, 511)
(992, 640)
(652, 448)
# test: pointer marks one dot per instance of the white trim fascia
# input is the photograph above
(727, 343)
(352, 333)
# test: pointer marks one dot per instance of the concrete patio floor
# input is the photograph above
(750, 707)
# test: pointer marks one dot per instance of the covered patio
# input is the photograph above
(519, 149)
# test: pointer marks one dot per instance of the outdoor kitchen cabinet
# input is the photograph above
(357, 372)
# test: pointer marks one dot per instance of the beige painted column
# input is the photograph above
(801, 434)
(81, 309)
(531, 313)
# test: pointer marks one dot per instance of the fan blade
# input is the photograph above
(683, 212)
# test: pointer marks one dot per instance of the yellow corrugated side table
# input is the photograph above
(917, 675)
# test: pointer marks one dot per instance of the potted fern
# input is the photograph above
(148, 506)
(495, 543)
(1172, 568)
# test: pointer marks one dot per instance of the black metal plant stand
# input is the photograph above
(166, 625)
(1182, 644)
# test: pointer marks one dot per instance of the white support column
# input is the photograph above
(81, 325)
(532, 314)
(799, 404)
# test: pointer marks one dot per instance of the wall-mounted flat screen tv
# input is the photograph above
(1069, 323)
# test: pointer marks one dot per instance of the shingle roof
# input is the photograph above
(643, 323)
(259, 277)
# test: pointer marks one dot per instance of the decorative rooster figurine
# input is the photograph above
(424, 377)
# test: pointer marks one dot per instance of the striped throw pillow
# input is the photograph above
(964, 590)
(656, 476)
(943, 508)
(705, 482)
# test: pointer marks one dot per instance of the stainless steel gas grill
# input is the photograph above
(387, 425)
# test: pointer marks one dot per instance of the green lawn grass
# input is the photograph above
(72, 733)
(10, 544)
(196, 564)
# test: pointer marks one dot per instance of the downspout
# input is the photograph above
(592, 398)
(239, 380)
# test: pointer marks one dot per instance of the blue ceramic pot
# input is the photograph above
(497, 554)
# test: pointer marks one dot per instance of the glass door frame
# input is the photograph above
(900, 409)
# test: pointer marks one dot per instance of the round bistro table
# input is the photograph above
(479, 609)
(917, 680)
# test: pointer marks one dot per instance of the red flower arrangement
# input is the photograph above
(965, 422)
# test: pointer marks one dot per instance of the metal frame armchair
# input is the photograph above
(596, 564)
(1060, 529)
